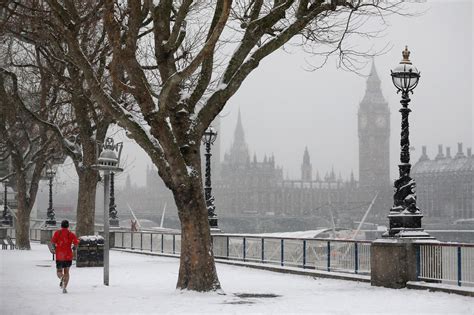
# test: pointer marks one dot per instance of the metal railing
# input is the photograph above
(35, 233)
(309, 253)
(448, 263)
(165, 243)
(438, 262)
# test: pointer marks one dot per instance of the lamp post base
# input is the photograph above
(213, 222)
(114, 223)
(7, 223)
(50, 222)
(406, 225)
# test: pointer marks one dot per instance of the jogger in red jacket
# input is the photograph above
(63, 240)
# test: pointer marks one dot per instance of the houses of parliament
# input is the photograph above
(248, 190)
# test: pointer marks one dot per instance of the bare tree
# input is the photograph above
(28, 144)
(181, 61)
(86, 123)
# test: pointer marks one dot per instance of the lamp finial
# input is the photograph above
(406, 56)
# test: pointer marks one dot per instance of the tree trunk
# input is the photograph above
(197, 270)
(22, 229)
(86, 201)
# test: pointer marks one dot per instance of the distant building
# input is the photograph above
(247, 187)
(445, 187)
(374, 136)
(257, 187)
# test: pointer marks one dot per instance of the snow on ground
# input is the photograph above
(146, 284)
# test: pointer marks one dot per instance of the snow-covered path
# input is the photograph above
(146, 284)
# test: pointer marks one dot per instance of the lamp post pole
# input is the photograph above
(113, 217)
(108, 162)
(6, 216)
(50, 213)
(405, 217)
(5, 200)
(106, 228)
(208, 139)
(208, 190)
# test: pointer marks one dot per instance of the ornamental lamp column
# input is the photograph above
(405, 216)
(108, 162)
(50, 214)
(7, 218)
(208, 139)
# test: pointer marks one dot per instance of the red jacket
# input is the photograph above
(63, 239)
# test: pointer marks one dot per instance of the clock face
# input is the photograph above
(380, 121)
(363, 121)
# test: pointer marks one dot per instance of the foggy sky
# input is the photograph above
(285, 108)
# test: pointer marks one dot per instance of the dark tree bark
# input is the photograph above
(22, 231)
(197, 270)
(86, 201)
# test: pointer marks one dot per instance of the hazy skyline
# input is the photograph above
(319, 109)
(285, 107)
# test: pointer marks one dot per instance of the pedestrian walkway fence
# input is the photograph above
(436, 262)
(308, 253)
(448, 263)
(323, 254)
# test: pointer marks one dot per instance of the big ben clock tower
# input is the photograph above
(374, 134)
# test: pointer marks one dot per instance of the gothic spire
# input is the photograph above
(239, 136)
(306, 156)
(373, 93)
(306, 168)
(373, 79)
(239, 153)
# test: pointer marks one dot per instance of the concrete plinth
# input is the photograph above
(393, 263)
(46, 234)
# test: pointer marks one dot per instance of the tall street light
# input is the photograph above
(208, 139)
(108, 162)
(6, 215)
(113, 214)
(405, 216)
(50, 173)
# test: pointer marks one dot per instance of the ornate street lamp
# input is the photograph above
(50, 173)
(7, 218)
(208, 139)
(108, 162)
(405, 217)
(113, 214)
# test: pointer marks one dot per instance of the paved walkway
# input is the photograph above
(142, 284)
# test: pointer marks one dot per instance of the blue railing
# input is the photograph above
(308, 253)
(448, 263)
(323, 254)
